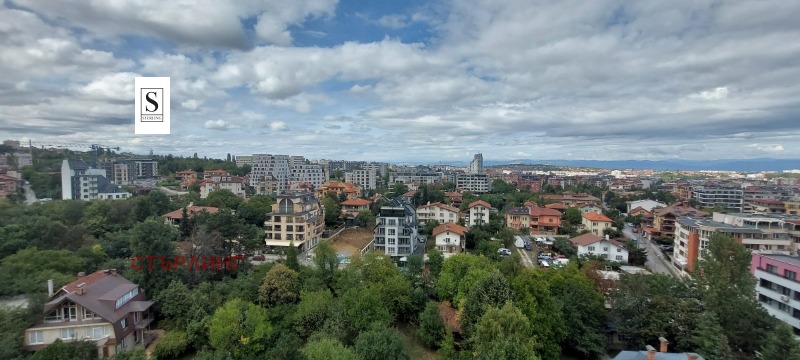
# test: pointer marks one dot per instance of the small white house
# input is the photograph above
(450, 238)
(479, 213)
(601, 246)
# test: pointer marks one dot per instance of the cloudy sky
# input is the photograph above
(411, 80)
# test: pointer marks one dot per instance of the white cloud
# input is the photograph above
(716, 94)
(278, 126)
(394, 21)
(768, 148)
(218, 124)
(191, 104)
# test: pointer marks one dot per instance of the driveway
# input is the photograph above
(656, 261)
(30, 197)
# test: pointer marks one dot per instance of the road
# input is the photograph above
(526, 258)
(30, 197)
(172, 192)
(655, 258)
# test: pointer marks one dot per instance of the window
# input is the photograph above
(89, 315)
(619, 257)
(619, 250)
(127, 297)
(35, 337)
(391, 232)
(97, 333)
(53, 316)
(135, 317)
(772, 269)
(791, 275)
(605, 248)
(124, 323)
(67, 333)
(391, 241)
(70, 311)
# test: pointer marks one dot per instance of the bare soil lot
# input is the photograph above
(351, 241)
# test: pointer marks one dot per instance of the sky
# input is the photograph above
(423, 81)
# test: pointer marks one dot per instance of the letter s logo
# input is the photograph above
(151, 100)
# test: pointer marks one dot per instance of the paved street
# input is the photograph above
(655, 258)
(527, 261)
(172, 192)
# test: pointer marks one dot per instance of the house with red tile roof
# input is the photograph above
(440, 212)
(102, 308)
(450, 238)
(174, 217)
(538, 220)
(602, 246)
(234, 184)
(351, 191)
(454, 198)
(351, 207)
(596, 223)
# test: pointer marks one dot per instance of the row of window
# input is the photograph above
(788, 274)
(127, 297)
(94, 333)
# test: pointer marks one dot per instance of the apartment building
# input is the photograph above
(647, 205)
(727, 197)
(437, 211)
(10, 182)
(792, 206)
(450, 238)
(753, 195)
(478, 214)
(692, 237)
(381, 168)
(777, 286)
(475, 183)
(102, 308)
(537, 220)
(23, 159)
(80, 182)
(476, 166)
(127, 171)
(419, 177)
(302, 173)
(596, 223)
(265, 166)
(396, 232)
(767, 206)
(296, 218)
(263, 184)
(780, 226)
(366, 179)
(243, 160)
(664, 218)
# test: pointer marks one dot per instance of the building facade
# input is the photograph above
(596, 223)
(265, 166)
(419, 177)
(479, 212)
(476, 183)
(602, 246)
(450, 238)
(366, 179)
(296, 218)
(102, 308)
(476, 166)
(351, 207)
(80, 182)
(396, 232)
(726, 197)
(777, 287)
(350, 190)
(440, 212)
(537, 220)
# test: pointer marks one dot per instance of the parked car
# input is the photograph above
(545, 256)
(666, 247)
(503, 252)
(528, 246)
(258, 257)
(544, 263)
(635, 230)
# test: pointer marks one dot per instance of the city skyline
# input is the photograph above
(412, 81)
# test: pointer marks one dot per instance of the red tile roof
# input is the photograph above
(449, 226)
(355, 202)
(480, 202)
(191, 211)
(556, 206)
(540, 211)
(440, 205)
(586, 239)
(593, 216)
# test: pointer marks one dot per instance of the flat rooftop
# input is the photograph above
(719, 226)
(792, 260)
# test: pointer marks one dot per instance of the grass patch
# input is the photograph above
(415, 349)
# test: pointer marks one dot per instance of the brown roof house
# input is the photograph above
(103, 308)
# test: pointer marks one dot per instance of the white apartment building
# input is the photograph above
(234, 184)
(479, 213)
(80, 182)
(277, 166)
(366, 179)
(396, 230)
(303, 173)
(243, 160)
(476, 166)
(420, 177)
(442, 213)
(296, 219)
(476, 183)
(730, 198)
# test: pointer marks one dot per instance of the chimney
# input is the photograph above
(664, 344)
(50, 288)
(81, 274)
(692, 356)
(651, 353)
(607, 237)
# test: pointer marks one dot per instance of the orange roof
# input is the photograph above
(556, 206)
(540, 211)
(449, 226)
(191, 211)
(480, 202)
(217, 171)
(186, 172)
(594, 216)
(355, 202)
(453, 194)
(410, 193)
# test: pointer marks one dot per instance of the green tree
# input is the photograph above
(636, 256)
(380, 343)
(312, 311)
(398, 189)
(572, 216)
(333, 213)
(533, 297)
(287, 347)
(255, 210)
(709, 341)
(781, 344)
(291, 257)
(728, 287)
(503, 333)
(176, 303)
(327, 263)
(447, 348)
(280, 286)
(491, 291)
(431, 329)
(460, 274)
(154, 238)
(414, 270)
(28, 270)
(223, 198)
(583, 311)
(240, 328)
(171, 346)
(366, 219)
(136, 354)
(328, 349)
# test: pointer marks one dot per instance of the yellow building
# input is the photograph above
(296, 218)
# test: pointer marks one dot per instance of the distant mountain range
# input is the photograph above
(748, 165)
